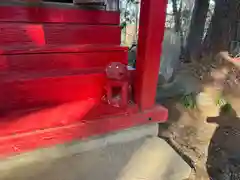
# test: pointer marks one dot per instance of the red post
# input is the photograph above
(151, 31)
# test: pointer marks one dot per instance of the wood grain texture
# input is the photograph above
(151, 32)
(29, 49)
(52, 78)
(38, 14)
(79, 128)
(60, 61)
(16, 34)
(23, 91)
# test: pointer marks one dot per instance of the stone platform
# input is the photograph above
(132, 154)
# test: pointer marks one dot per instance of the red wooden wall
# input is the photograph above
(52, 74)
(54, 55)
(40, 26)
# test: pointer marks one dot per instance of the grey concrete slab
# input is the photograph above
(103, 158)
(155, 160)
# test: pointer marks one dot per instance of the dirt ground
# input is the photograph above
(210, 145)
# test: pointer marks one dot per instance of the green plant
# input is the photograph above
(188, 101)
(225, 106)
(221, 102)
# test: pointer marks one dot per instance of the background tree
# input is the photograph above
(177, 14)
(222, 28)
(221, 32)
(129, 14)
(196, 32)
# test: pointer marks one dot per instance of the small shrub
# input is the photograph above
(188, 101)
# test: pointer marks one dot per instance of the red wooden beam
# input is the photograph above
(65, 127)
(40, 34)
(14, 50)
(31, 90)
(151, 31)
(60, 61)
(37, 14)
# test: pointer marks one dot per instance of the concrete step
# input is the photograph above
(127, 155)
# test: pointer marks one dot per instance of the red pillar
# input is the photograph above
(151, 31)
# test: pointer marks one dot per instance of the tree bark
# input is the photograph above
(177, 16)
(197, 26)
(222, 27)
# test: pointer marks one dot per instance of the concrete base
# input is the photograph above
(155, 160)
(127, 155)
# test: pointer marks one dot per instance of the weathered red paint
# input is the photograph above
(82, 128)
(33, 77)
(122, 97)
(52, 76)
(13, 34)
(23, 121)
(38, 14)
(42, 62)
(47, 49)
(28, 90)
(118, 84)
(151, 31)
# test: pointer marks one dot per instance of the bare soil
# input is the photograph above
(210, 145)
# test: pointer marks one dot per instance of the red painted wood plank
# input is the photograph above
(45, 117)
(41, 34)
(75, 34)
(21, 142)
(104, 110)
(61, 115)
(10, 50)
(60, 61)
(28, 91)
(20, 34)
(151, 32)
(57, 15)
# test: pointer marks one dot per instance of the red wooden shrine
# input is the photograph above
(53, 74)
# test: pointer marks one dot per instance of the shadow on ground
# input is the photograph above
(223, 162)
(174, 113)
(171, 130)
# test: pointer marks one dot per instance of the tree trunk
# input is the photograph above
(177, 16)
(197, 26)
(222, 27)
